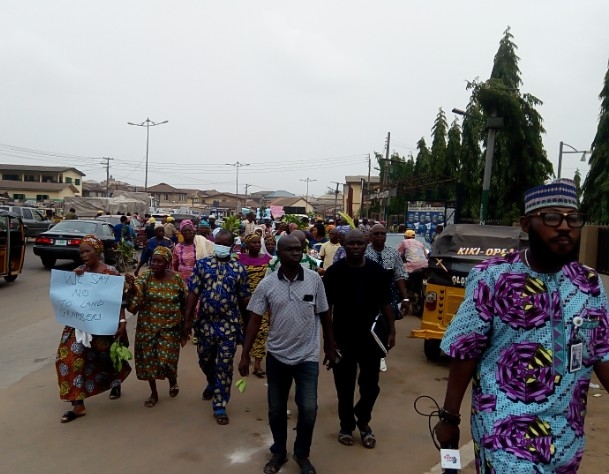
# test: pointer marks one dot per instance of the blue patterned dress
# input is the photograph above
(528, 409)
(220, 287)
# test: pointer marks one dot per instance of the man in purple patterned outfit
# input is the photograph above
(532, 327)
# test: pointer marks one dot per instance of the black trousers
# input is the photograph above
(345, 376)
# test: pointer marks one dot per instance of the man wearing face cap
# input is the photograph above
(530, 331)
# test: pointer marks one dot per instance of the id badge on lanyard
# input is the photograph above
(576, 348)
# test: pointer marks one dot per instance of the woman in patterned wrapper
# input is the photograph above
(83, 363)
(158, 296)
(256, 263)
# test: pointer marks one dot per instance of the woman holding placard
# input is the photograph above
(84, 367)
(159, 297)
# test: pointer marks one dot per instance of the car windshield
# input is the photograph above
(74, 225)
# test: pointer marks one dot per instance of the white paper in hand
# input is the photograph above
(450, 459)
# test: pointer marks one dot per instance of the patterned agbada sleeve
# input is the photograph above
(600, 340)
(195, 280)
(467, 335)
(244, 286)
(399, 270)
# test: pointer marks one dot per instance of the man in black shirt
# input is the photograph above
(357, 289)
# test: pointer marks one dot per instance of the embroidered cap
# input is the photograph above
(559, 193)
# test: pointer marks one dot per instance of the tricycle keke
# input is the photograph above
(453, 254)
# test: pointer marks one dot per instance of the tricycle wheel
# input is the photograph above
(432, 350)
(10, 278)
(48, 262)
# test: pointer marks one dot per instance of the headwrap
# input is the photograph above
(270, 238)
(163, 252)
(410, 233)
(559, 193)
(203, 223)
(152, 220)
(186, 223)
(94, 242)
(170, 219)
(249, 237)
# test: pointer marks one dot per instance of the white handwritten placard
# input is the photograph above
(90, 302)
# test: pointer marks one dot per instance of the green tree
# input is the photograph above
(596, 184)
(423, 164)
(452, 158)
(519, 159)
(471, 161)
(438, 145)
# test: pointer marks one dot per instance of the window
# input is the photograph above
(48, 179)
(11, 177)
(30, 178)
(77, 182)
(42, 197)
(26, 213)
(19, 196)
(68, 180)
(166, 197)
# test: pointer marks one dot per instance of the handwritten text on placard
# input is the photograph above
(90, 302)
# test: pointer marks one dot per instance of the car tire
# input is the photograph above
(431, 348)
(10, 278)
(48, 262)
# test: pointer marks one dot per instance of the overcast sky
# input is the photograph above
(296, 89)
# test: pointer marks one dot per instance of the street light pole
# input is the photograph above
(147, 123)
(237, 165)
(561, 151)
(308, 180)
(492, 124)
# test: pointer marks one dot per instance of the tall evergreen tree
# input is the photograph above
(423, 164)
(519, 159)
(452, 160)
(471, 161)
(596, 184)
(438, 145)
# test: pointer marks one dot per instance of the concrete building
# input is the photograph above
(40, 184)
(355, 193)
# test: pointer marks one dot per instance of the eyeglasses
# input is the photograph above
(554, 219)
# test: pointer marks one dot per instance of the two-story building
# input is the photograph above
(40, 184)
(355, 192)
(169, 197)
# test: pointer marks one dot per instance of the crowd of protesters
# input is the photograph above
(280, 289)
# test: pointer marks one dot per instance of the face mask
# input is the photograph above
(221, 251)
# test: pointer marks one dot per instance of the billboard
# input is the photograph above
(423, 218)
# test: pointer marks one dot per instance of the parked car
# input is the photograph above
(134, 223)
(34, 221)
(63, 241)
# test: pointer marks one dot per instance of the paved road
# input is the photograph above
(180, 435)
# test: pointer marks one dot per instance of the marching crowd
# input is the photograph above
(532, 328)
(275, 291)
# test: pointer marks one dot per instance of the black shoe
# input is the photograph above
(305, 465)
(275, 463)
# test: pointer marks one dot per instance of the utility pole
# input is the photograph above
(237, 165)
(147, 123)
(385, 176)
(368, 190)
(336, 197)
(107, 165)
(308, 180)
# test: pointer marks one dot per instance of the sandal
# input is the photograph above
(115, 393)
(69, 416)
(208, 393)
(174, 390)
(345, 438)
(275, 463)
(259, 373)
(221, 417)
(368, 439)
(305, 465)
(150, 402)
